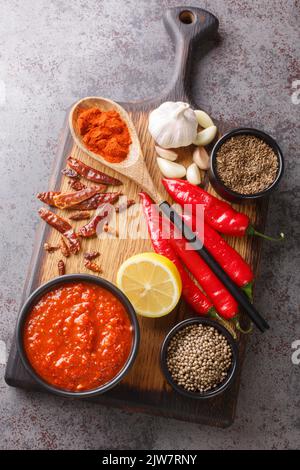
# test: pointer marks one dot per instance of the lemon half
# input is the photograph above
(151, 282)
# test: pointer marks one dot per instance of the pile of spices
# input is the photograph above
(199, 358)
(104, 133)
(246, 164)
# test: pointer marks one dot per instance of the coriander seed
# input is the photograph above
(199, 358)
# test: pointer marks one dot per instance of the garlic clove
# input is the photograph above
(193, 174)
(167, 154)
(171, 169)
(201, 158)
(204, 120)
(206, 136)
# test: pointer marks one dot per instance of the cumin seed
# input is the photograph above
(246, 164)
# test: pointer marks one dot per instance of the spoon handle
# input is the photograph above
(140, 175)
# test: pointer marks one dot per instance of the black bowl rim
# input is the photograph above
(46, 287)
(232, 371)
(266, 138)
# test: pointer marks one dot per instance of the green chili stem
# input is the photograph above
(248, 290)
(236, 322)
(214, 314)
(227, 323)
(251, 231)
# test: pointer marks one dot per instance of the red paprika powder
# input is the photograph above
(104, 133)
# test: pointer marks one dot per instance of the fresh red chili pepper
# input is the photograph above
(190, 291)
(218, 214)
(228, 258)
(225, 304)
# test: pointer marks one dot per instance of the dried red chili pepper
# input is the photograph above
(97, 200)
(65, 250)
(68, 200)
(77, 185)
(82, 215)
(92, 266)
(108, 229)
(70, 173)
(123, 206)
(90, 229)
(48, 197)
(61, 267)
(92, 174)
(62, 226)
(50, 248)
(218, 214)
(90, 255)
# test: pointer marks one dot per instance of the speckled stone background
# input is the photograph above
(51, 54)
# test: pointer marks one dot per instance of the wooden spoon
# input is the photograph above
(133, 166)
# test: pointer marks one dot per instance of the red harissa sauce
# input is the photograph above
(78, 336)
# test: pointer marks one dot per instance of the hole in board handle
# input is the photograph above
(187, 17)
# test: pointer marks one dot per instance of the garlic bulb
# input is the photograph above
(206, 136)
(193, 174)
(201, 158)
(167, 154)
(204, 120)
(173, 124)
(171, 169)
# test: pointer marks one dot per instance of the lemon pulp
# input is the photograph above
(151, 282)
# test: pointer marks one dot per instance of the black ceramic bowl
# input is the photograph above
(231, 373)
(227, 193)
(34, 298)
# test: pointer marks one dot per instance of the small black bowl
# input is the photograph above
(48, 286)
(218, 184)
(231, 373)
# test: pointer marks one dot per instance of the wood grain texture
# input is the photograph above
(144, 389)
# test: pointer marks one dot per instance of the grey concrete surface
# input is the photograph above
(54, 52)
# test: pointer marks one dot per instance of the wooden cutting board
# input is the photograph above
(145, 388)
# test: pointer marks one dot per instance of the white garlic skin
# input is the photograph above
(193, 174)
(201, 158)
(204, 120)
(173, 124)
(165, 153)
(171, 169)
(206, 136)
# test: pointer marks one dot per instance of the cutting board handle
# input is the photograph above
(187, 27)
